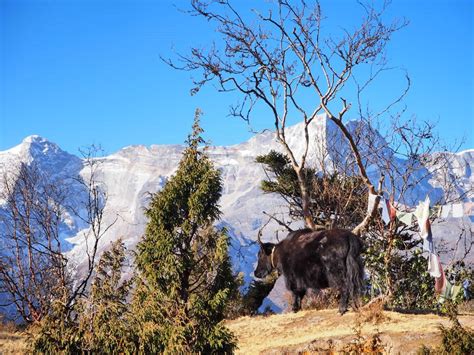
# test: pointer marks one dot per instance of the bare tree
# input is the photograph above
(32, 266)
(286, 62)
(91, 212)
(410, 161)
(34, 269)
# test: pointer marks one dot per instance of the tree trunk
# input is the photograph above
(359, 229)
(305, 200)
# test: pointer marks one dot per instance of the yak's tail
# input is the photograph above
(355, 269)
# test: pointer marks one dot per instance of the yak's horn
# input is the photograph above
(260, 231)
(259, 236)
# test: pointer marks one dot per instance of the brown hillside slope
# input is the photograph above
(309, 331)
(12, 342)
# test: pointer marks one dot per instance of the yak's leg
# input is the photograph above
(344, 300)
(336, 276)
(356, 302)
(297, 297)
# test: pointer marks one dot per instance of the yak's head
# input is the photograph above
(264, 265)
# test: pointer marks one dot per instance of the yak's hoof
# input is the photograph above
(342, 311)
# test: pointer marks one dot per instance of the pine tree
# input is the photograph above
(105, 320)
(332, 193)
(184, 272)
(100, 322)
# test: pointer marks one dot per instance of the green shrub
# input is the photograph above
(455, 339)
(99, 323)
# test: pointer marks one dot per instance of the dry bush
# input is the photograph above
(8, 326)
(466, 307)
(455, 340)
(322, 299)
(373, 312)
(364, 345)
(12, 338)
(312, 348)
(360, 344)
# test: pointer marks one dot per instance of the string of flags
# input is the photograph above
(422, 215)
(388, 211)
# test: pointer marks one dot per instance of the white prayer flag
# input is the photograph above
(433, 265)
(385, 213)
(469, 208)
(405, 217)
(446, 210)
(422, 214)
(458, 210)
(371, 203)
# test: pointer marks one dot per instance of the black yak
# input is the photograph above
(316, 260)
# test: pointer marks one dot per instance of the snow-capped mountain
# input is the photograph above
(130, 174)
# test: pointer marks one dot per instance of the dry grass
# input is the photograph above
(466, 307)
(12, 341)
(309, 332)
(315, 332)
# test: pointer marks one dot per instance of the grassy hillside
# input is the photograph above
(11, 341)
(316, 332)
(309, 332)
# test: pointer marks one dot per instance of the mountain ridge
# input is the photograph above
(133, 172)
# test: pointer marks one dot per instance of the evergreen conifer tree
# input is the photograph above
(100, 322)
(184, 271)
(105, 320)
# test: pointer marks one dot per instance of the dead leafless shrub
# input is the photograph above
(322, 299)
(466, 307)
(373, 312)
(361, 344)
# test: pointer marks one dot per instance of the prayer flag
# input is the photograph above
(469, 208)
(458, 211)
(422, 213)
(455, 291)
(385, 213)
(445, 294)
(391, 209)
(405, 217)
(446, 210)
(440, 282)
(434, 265)
(371, 203)
(428, 245)
(450, 292)
(428, 241)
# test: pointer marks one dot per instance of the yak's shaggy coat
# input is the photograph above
(317, 260)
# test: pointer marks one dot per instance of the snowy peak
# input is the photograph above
(35, 139)
(322, 135)
(36, 146)
(46, 155)
(327, 144)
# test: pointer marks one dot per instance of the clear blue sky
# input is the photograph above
(82, 72)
